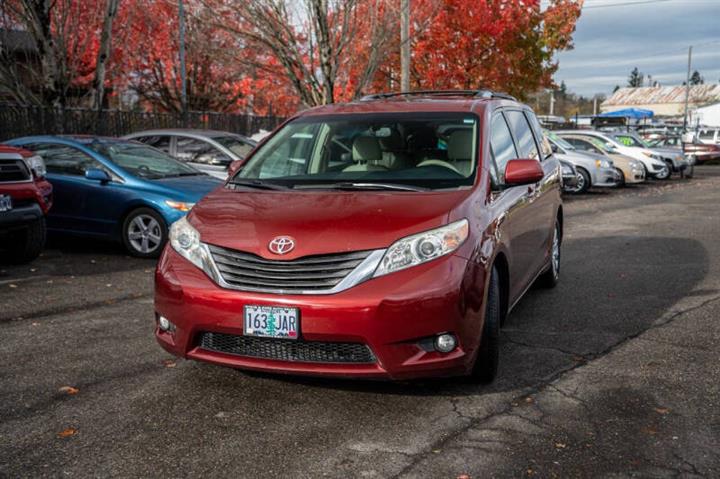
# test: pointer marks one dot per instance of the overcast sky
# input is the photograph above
(614, 36)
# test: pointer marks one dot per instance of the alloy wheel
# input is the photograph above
(144, 234)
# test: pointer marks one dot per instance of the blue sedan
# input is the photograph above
(117, 189)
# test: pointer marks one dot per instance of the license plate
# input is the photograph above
(5, 203)
(271, 322)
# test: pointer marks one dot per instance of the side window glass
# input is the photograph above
(65, 160)
(527, 149)
(542, 141)
(161, 142)
(192, 150)
(501, 144)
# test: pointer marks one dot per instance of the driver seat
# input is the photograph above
(366, 155)
(460, 151)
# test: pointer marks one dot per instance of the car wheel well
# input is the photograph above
(560, 220)
(501, 265)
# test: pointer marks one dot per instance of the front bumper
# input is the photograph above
(393, 316)
(19, 217)
(606, 178)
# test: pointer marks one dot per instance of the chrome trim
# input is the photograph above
(362, 272)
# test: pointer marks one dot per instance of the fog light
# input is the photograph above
(165, 324)
(445, 343)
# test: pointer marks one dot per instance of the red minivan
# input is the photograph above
(385, 238)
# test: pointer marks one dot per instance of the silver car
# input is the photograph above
(592, 170)
(209, 151)
(672, 157)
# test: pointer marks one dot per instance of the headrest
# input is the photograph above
(460, 145)
(392, 142)
(365, 149)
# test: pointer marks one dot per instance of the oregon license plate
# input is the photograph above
(5, 203)
(271, 322)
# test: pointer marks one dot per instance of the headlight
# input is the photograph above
(37, 165)
(186, 241)
(603, 164)
(566, 170)
(423, 247)
(179, 205)
(652, 155)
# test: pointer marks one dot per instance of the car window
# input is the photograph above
(545, 147)
(161, 142)
(502, 146)
(237, 145)
(527, 149)
(706, 134)
(585, 145)
(64, 160)
(628, 140)
(428, 150)
(141, 160)
(194, 150)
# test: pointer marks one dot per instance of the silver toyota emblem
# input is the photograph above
(281, 244)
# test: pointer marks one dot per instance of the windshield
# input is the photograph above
(559, 141)
(142, 161)
(238, 146)
(629, 140)
(425, 150)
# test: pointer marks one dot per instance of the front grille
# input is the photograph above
(310, 273)
(14, 170)
(287, 350)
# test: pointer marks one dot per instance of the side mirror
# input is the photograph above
(554, 147)
(523, 172)
(234, 167)
(216, 159)
(97, 174)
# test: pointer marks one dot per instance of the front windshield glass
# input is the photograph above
(425, 150)
(141, 160)
(559, 141)
(236, 145)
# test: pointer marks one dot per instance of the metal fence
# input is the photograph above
(18, 121)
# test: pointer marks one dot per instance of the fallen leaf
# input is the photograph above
(69, 390)
(13, 285)
(32, 270)
(71, 431)
(662, 410)
(169, 363)
(463, 476)
(560, 445)
(529, 399)
(34, 324)
(436, 451)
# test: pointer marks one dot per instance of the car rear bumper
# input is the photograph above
(395, 317)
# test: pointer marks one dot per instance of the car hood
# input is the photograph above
(578, 159)
(320, 222)
(188, 186)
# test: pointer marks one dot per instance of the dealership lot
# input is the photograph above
(614, 371)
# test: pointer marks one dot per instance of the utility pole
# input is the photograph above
(183, 72)
(687, 90)
(404, 45)
(595, 105)
(552, 103)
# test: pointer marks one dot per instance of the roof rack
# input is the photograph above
(487, 94)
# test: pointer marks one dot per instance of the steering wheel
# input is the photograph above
(444, 164)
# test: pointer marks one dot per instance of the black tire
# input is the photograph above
(621, 182)
(488, 357)
(26, 244)
(551, 277)
(665, 175)
(584, 181)
(154, 233)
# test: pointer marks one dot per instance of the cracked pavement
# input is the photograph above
(614, 373)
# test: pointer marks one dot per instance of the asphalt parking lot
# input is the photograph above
(616, 372)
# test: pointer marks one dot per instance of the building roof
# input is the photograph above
(699, 95)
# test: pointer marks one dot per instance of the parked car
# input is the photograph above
(117, 189)
(209, 151)
(592, 171)
(25, 199)
(671, 156)
(569, 176)
(701, 152)
(376, 239)
(709, 136)
(655, 166)
(629, 170)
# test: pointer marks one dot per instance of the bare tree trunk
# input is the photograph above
(102, 57)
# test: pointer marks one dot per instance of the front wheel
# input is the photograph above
(621, 176)
(144, 233)
(583, 182)
(27, 243)
(488, 357)
(551, 277)
(664, 174)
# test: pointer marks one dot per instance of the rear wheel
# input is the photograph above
(664, 174)
(488, 357)
(144, 233)
(551, 277)
(26, 244)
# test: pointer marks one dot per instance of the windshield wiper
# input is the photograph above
(248, 183)
(349, 185)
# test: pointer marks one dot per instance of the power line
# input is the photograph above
(624, 4)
